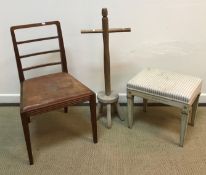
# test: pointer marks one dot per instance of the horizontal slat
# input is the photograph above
(41, 65)
(34, 25)
(38, 39)
(39, 53)
(112, 30)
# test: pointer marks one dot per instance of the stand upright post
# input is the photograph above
(105, 27)
(107, 97)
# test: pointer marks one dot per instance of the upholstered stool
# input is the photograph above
(166, 87)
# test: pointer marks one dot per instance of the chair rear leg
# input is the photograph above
(66, 110)
(25, 122)
(92, 104)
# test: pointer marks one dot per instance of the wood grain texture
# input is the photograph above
(49, 92)
(111, 30)
(38, 39)
(105, 28)
(105, 33)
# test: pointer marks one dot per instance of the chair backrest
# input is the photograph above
(19, 57)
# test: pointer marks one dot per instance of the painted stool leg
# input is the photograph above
(99, 110)
(144, 104)
(184, 123)
(130, 103)
(117, 109)
(109, 120)
(194, 110)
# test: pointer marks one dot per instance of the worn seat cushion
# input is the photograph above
(166, 84)
(51, 89)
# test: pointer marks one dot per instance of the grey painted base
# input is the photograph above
(186, 108)
(108, 101)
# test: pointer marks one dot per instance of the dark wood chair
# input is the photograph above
(48, 92)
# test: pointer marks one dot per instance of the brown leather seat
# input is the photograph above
(49, 92)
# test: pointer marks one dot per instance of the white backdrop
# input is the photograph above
(165, 34)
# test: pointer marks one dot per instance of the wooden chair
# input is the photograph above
(48, 92)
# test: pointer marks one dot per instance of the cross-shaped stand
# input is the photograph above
(107, 97)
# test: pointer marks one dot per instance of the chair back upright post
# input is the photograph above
(61, 48)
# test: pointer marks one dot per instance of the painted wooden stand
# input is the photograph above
(107, 97)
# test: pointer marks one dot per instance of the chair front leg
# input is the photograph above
(25, 122)
(92, 104)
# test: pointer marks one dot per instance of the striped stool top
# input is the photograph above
(170, 85)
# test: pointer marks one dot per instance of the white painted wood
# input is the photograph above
(167, 84)
(171, 95)
(183, 124)
(103, 98)
(130, 103)
(194, 111)
(184, 114)
(99, 110)
(157, 98)
(9, 98)
(108, 100)
(123, 98)
(118, 109)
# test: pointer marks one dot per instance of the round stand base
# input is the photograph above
(108, 100)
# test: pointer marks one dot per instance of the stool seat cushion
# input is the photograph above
(166, 84)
